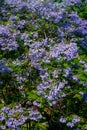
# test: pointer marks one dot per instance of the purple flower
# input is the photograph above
(35, 103)
(5, 109)
(6, 70)
(21, 24)
(68, 72)
(85, 96)
(34, 115)
(85, 84)
(2, 118)
(62, 119)
(81, 31)
(71, 51)
(76, 119)
(3, 127)
(70, 124)
(75, 78)
(55, 74)
(83, 43)
(75, 18)
(44, 75)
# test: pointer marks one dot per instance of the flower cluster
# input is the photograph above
(43, 65)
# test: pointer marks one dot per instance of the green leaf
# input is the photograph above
(78, 96)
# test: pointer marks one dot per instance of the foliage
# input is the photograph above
(43, 65)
